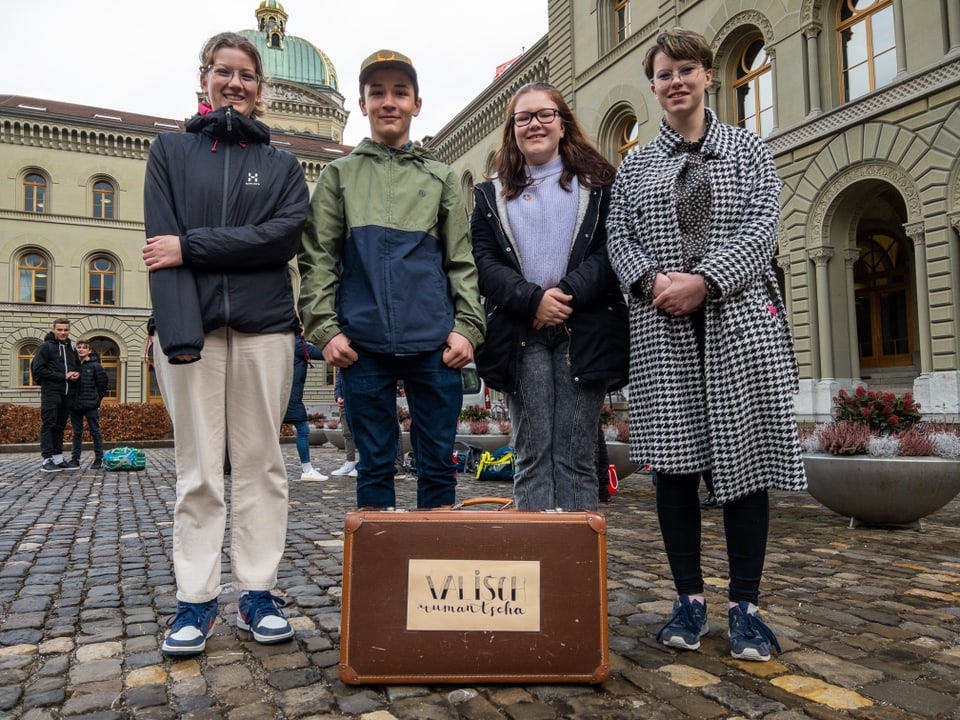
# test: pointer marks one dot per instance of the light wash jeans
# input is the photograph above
(554, 428)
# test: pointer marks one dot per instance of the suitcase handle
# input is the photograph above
(504, 503)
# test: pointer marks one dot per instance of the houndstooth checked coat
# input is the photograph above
(735, 416)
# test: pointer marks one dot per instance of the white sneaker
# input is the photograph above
(346, 469)
(352, 473)
(313, 476)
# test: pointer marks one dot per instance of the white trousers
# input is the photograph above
(233, 398)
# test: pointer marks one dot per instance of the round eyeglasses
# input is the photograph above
(224, 73)
(687, 72)
(544, 116)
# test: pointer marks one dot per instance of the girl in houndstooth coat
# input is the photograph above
(692, 234)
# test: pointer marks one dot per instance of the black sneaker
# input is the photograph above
(96, 464)
(50, 466)
(710, 502)
(70, 464)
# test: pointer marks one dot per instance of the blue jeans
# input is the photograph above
(303, 440)
(93, 422)
(555, 424)
(434, 395)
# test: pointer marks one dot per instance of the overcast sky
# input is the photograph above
(143, 56)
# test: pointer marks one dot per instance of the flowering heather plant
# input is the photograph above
(332, 424)
(616, 431)
(474, 412)
(880, 411)
(402, 414)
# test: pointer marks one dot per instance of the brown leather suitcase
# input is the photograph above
(456, 595)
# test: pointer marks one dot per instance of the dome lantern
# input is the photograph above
(272, 21)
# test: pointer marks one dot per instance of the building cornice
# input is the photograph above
(485, 113)
(85, 221)
(911, 88)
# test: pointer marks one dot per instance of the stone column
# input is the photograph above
(901, 37)
(712, 95)
(953, 27)
(811, 32)
(916, 233)
(772, 54)
(821, 258)
(850, 256)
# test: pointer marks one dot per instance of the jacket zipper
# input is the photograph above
(223, 213)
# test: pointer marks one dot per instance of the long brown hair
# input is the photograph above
(581, 159)
(245, 45)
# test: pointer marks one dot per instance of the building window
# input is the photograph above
(103, 200)
(621, 14)
(32, 271)
(34, 193)
(629, 138)
(110, 361)
(102, 281)
(754, 89)
(868, 48)
(883, 299)
(24, 358)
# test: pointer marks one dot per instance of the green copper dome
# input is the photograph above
(286, 57)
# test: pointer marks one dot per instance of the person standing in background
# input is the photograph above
(296, 415)
(349, 466)
(91, 387)
(55, 368)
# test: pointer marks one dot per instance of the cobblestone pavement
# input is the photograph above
(868, 618)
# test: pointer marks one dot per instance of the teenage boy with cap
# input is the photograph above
(389, 288)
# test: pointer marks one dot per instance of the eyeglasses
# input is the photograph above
(222, 72)
(685, 73)
(544, 116)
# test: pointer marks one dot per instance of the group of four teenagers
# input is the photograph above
(391, 276)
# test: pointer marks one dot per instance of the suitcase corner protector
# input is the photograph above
(348, 675)
(599, 675)
(352, 521)
(597, 523)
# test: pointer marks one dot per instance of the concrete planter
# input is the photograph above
(882, 491)
(619, 455)
(334, 437)
(317, 436)
(488, 443)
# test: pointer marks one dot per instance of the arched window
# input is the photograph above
(753, 88)
(103, 200)
(621, 20)
(24, 358)
(629, 137)
(32, 278)
(102, 281)
(34, 193)
(868, 47)
(110, 360)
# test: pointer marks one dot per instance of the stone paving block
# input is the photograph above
(530, 711)
(304, 701)
(84, 704)
(912, 697)
(744, 702)
(94, 670)
(819, 691)
(432, 707)
(837, 671)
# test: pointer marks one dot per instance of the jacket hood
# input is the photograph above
(414, 150)
(51, 338)
(227, 124)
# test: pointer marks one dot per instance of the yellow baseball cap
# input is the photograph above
(388, 59)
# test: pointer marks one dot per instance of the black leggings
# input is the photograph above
(745, 523)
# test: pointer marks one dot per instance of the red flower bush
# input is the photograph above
(883, 412)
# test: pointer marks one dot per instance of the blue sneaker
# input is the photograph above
(686, 626)
(259, 612)
(190, 628)
(750, 638)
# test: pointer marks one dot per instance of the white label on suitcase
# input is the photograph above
(473, 595)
